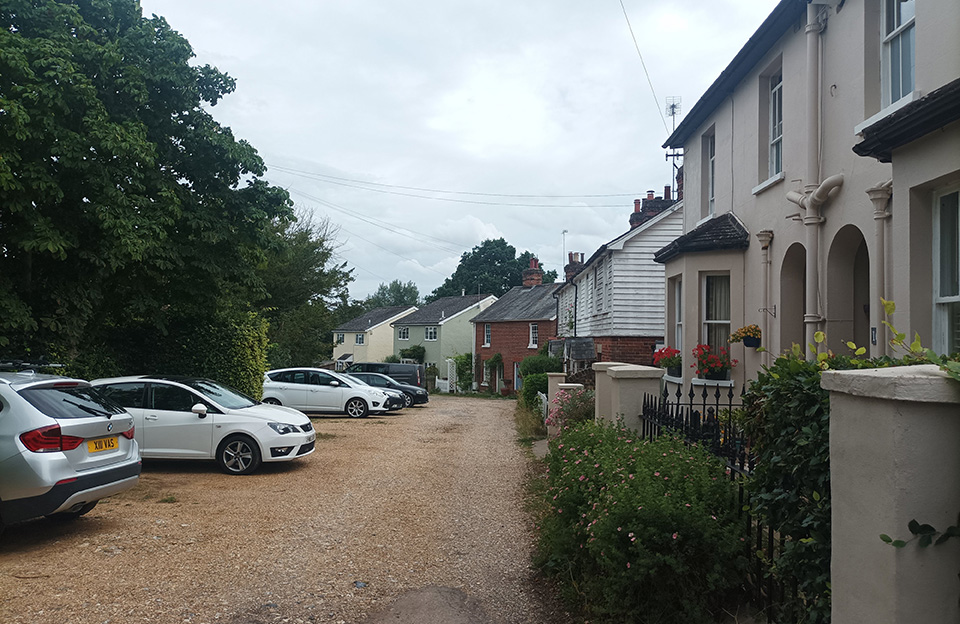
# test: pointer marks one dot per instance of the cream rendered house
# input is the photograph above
(822, 171)
(367, 338)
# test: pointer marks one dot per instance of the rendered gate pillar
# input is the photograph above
(553, 384)
(604, 389)
(894, 457)
(629, 383)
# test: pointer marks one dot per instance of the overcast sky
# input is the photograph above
(366, 111)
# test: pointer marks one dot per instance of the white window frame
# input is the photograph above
(341, 338)
(358, 340)
(708, 143)
(403, 333)
(430, 333)
(706, 323)
(776, 124)
(534, 336)
(598, 283)
(487, 334)
(943, 303)
(896, 33)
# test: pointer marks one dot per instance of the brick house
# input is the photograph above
(515, 327)
(613, 304)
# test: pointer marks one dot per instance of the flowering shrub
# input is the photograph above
(640, 530)
(667, 357)
(748, 331)
(571, 406)
(709, 362)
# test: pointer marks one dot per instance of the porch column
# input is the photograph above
(880, 196)
(765, 236)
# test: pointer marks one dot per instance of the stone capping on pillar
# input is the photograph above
(602, 406)
(918, 384)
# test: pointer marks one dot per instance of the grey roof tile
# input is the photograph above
(523, 303)
(372, 318)
(720, 233)
(441, 309)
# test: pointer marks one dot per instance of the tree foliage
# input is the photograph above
(491, 267)
(122, 196)
(396, 293)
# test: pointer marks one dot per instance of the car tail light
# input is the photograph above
(127, 434)
(49, 440)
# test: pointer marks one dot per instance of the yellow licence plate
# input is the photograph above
(102, 444)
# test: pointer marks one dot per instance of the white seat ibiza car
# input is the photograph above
(193, 418)
(320, 390)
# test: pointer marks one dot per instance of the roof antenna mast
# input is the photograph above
(672, 109)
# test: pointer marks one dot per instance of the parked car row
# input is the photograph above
(67, 443)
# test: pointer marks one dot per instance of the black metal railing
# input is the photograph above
(708, 416)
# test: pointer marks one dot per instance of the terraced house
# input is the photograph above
(822, 173)
(367, 338)
(442, 327)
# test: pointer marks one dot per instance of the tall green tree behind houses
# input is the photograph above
(492, 267)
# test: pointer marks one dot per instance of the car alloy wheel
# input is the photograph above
(238, 455)
(407, 400)
(356, 408)
(271, 401)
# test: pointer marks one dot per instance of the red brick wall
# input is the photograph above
(626, 349)
(510, 340)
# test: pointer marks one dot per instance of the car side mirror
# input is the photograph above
(334, 383)
(200, 410)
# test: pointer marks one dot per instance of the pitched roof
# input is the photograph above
(783, 17)
(720, 233)
(442, 309)
(373, 318)
(523, 303)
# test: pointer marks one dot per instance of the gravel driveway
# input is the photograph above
(429, 496)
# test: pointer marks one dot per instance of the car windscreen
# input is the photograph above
(219, 393)
(70, 401)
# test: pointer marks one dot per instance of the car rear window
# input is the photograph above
(71, 402)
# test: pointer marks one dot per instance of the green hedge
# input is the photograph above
(640, 531)
(540, 364)
(532, 384)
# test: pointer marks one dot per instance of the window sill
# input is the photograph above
(712, 383)
(886, 112)
(767, 183)
(485, 346)
(532, 346)
(704, 219)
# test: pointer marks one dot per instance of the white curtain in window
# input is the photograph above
(717, 310)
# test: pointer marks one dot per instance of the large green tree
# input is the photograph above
(396, 293)
(491, 267)
(120, 196)
(304, 290)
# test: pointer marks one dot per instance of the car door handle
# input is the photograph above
(150, 417)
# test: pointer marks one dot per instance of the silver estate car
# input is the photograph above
(63, 447)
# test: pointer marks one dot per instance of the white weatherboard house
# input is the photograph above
(822, 173)
(614, 302)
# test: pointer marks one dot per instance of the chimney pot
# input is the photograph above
(666, 191)
(637, 205)
(650, 194)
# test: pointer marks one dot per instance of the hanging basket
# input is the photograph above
(751, 342)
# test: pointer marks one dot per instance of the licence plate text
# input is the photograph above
(102, 444)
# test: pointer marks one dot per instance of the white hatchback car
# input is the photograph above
(321, 390)
(193, 418)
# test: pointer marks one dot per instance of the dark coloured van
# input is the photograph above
(413, 374)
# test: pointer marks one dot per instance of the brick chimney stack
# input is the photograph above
(533, 276)
(651, 206)
(575, 265)
(666, 192)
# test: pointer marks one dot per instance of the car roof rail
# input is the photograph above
(22, 366)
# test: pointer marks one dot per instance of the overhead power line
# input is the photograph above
(430, 190)
(656, 100)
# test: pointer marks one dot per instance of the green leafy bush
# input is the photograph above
(639, 530)
(532, 384)
(540, 364)
(788, 424)
(464, 364)
(416, 353)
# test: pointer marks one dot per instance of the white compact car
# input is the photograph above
(192, 418)
(320, 390)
